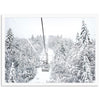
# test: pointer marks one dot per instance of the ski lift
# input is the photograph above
(45, 66)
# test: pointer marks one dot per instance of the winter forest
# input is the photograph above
(54, 60)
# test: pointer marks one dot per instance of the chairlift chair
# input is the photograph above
(45, 65)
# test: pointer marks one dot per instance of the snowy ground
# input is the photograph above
(41, 77)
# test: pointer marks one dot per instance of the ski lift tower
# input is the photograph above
(45, 66)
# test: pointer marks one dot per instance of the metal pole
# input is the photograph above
(44, 41)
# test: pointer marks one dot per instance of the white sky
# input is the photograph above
(23, 27)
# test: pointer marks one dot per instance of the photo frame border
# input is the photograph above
(4, 84)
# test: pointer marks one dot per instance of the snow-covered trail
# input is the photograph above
(41, 77)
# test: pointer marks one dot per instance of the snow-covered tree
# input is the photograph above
(84, 36)
(8, 52)
(86, 76)
(9, 40)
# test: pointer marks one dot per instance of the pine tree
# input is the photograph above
(84, 33)
(8, 53)
(9, 41)
(86, 76)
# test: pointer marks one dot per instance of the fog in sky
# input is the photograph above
(24, 27)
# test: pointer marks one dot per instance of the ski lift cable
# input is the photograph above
(31, 45)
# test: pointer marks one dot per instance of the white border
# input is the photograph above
(3, 83)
